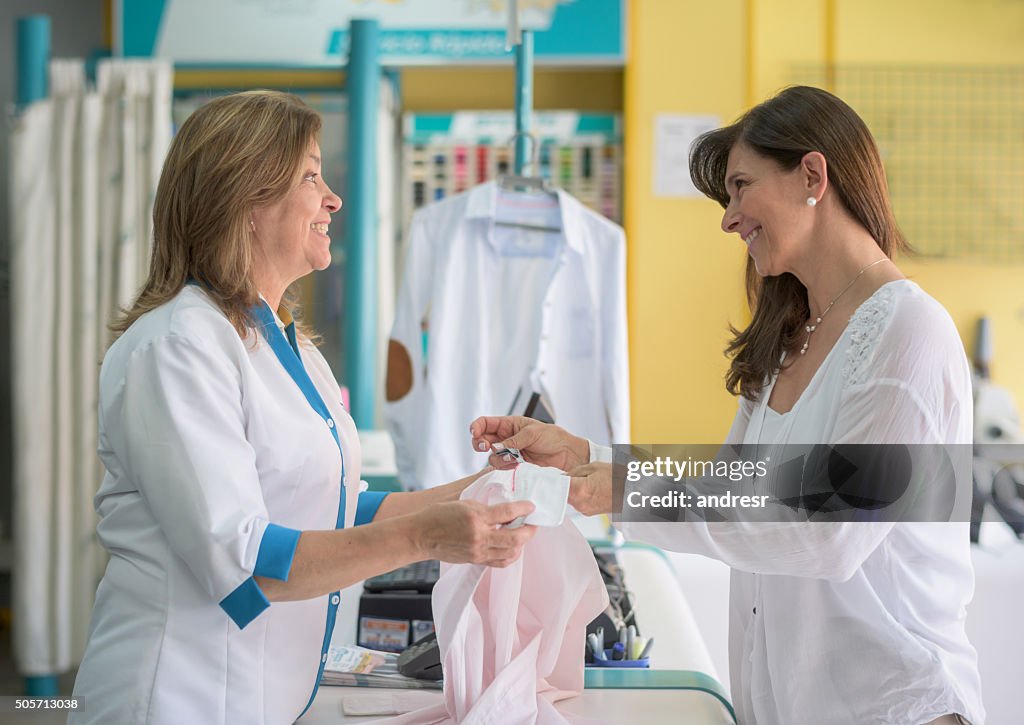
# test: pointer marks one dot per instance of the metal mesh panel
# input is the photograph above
(952, 140)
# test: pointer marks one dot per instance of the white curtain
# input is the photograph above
(84, 168)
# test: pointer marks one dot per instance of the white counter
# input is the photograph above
(661, 612)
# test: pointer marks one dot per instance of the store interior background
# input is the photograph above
(684, 274)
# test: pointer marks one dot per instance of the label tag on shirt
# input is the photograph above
(547, 488)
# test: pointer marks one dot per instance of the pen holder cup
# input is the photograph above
(644, 663)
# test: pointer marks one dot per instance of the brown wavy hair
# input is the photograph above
(798, 120)
(233, 154)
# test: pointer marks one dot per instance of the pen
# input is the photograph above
(618, 650)
(595, 647)
(600, 635)
(646, 651)
(630, 636)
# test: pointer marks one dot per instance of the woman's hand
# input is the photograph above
(540, 443)
(590, 488)
(471, 532)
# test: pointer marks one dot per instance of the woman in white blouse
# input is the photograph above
(231, 506)
(836, 623)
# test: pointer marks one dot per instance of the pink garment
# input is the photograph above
(512, 640)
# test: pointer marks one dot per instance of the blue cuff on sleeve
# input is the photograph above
(273, 560)
(369, 502)
(277, 549)
(245, 603)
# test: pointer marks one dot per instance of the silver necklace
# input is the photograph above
(817, 320)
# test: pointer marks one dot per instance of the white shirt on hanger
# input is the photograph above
(215, 463)
(504, 305)
(843, 624)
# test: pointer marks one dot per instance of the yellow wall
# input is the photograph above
(448, 89)
(692, 56)
(686, 56)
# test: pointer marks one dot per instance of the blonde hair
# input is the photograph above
(234, 154)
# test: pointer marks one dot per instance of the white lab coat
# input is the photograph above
(844, 624)
(500, 312)
(215, 462)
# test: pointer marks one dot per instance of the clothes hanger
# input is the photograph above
(522, 182)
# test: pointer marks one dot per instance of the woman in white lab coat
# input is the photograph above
(231, 506)
(832, 624)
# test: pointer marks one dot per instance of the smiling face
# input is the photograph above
(291, 234)
(768, 210)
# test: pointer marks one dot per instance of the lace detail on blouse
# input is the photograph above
(866, 327)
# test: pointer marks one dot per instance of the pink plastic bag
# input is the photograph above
(512, 640)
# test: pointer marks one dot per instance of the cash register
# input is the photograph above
(394, 610)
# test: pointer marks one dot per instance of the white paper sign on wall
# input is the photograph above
(673, 136)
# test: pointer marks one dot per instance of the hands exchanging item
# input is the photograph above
(472, 532)
(544, 444)
(541, 443)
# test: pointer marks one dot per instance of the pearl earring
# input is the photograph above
(811, 201)
(252, 225)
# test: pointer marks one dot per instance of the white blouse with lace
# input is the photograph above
(852, 623)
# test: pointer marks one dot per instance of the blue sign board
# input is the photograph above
(314, 33)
